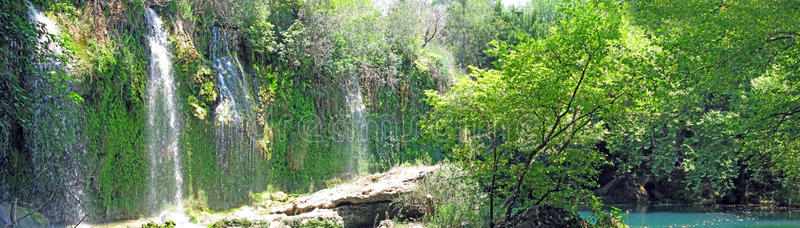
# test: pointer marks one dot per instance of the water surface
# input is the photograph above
(692, 216)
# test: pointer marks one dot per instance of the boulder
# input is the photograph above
(381, 187)
(363, 203)
(386, 224)
(278, 196)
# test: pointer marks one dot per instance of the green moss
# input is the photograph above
(151, 224)
(244, 223)
(298, 103)
(115, 128)
(312, 223)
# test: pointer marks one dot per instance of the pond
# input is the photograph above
(693, 216)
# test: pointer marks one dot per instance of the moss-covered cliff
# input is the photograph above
(297, 58)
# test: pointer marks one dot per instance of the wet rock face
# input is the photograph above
(544, 216)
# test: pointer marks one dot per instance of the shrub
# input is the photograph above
(456, 199)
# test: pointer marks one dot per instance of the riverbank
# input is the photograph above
(365, 201)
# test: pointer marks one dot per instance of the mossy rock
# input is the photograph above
(151, 224)
(279, 196)
(238, 223)
(309, 223)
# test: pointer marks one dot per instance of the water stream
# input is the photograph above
(55, 137)
(235, 128)
(163, 125)
(358, 123)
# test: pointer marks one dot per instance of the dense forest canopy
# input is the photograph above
(674, 89)
(569, 104)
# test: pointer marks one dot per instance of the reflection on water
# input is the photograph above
(691, 216)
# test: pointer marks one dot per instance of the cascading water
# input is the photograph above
(235, 120)
(163, 125)
(358, 123)
(54, 137)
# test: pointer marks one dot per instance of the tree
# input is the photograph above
(433, 22)
(471, 26)
(717, 60)
(532, 20)
(527, 129)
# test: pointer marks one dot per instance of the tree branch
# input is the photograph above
(546, 194)
(785, 35)
(785, 114)
(551, 134)
(16, 220)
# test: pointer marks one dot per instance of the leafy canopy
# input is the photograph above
(527, 129)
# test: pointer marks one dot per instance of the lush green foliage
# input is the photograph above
(474, 24)
(722, 100)
(456, 199)
(297, 55)
(14, 100)
(708, 99)
(527, 129)
(700, 94)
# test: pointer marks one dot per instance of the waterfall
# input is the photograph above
(163, 124)
(50, 29)
(235, 129)
(54, 136)
(358, 123)
(235, 105)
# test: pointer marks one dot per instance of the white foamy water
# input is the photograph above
(50, 28)
(163, 126)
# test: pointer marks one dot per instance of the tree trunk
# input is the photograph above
(463, 33)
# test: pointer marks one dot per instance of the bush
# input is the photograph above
(456, 199)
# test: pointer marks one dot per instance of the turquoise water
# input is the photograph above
(689, 216)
